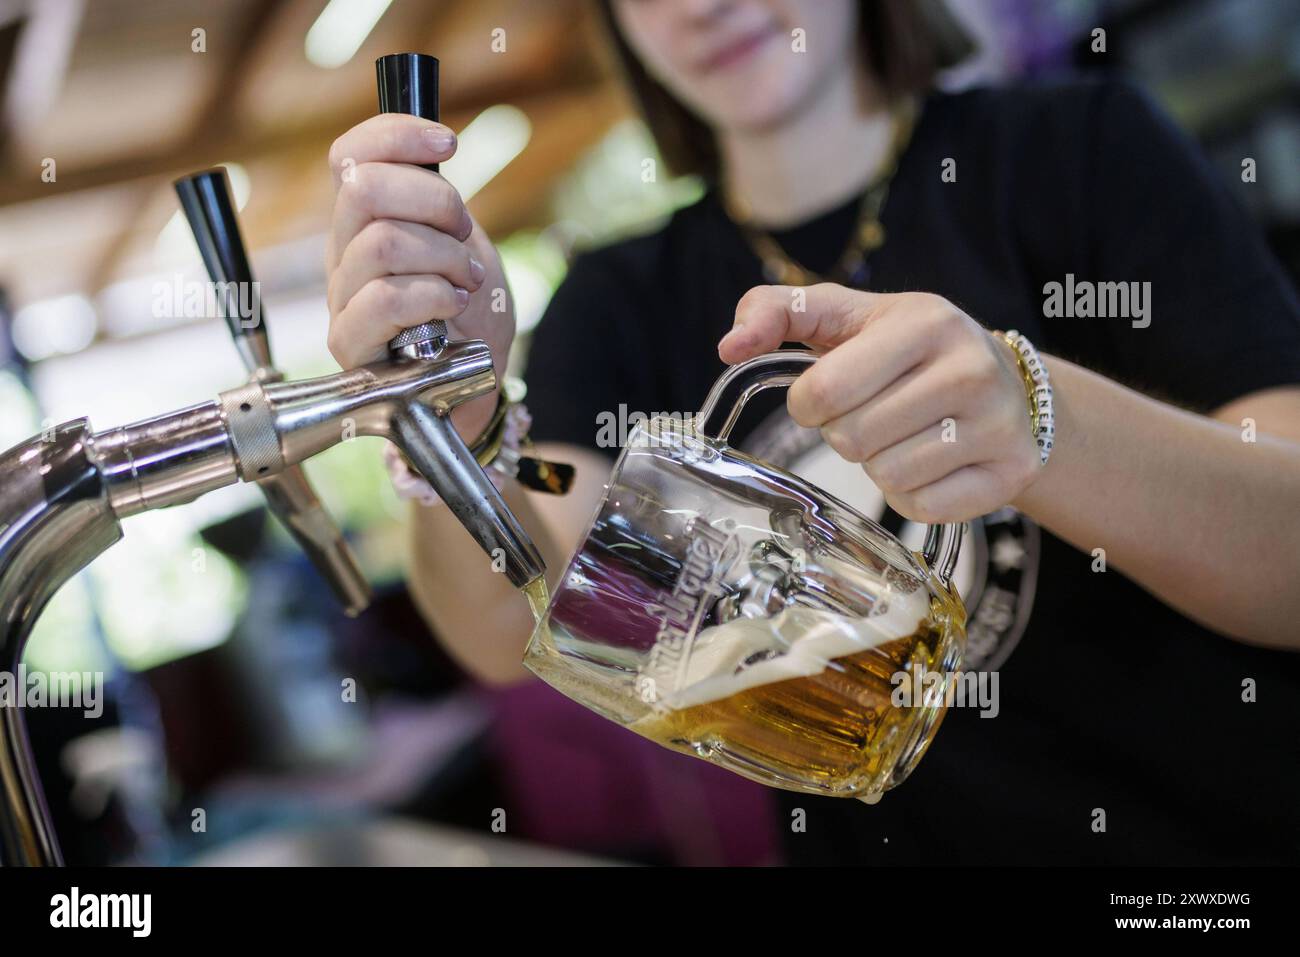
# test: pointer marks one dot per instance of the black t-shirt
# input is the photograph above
(1109, 700)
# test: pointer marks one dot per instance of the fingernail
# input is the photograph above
(440, 139)
(476, 270)
(462, 296)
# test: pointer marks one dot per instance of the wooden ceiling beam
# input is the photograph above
(202, 128)
(16, 188)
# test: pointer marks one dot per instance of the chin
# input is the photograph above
(762, 96)
(760, 109)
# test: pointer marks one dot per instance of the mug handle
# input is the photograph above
(741, 382)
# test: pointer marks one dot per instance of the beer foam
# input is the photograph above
(799, 640)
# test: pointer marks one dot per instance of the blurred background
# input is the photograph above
(229, 737)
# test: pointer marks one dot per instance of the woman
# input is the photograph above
(1144, 714)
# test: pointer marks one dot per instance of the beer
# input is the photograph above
(538, 596)
(800, 700)
(834, 732)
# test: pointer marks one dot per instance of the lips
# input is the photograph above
(736, 51)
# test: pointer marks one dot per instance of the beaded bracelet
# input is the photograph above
(1038, 391)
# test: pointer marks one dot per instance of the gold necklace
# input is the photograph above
(868, 234)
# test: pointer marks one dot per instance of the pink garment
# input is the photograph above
(612, 606)
(579, 781)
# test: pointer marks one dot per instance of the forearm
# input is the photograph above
(475, 612)
(481, 620)
(1179, 502)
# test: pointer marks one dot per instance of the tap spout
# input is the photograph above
(439, 454)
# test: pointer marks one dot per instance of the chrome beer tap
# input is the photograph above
(63, 493)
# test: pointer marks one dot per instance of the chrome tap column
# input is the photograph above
(63, 492)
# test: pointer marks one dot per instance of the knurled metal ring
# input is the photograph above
(421, 333)
(252, 431)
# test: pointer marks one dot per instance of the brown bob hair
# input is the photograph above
(905, 43)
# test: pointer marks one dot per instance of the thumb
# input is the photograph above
(822, 316)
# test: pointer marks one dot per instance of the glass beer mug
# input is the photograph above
(727, 609)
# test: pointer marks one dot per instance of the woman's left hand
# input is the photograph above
(930, 404)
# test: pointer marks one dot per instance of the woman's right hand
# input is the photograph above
(404, 250)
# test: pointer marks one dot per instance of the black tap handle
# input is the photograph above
(210, 209)
(408, 83)
(208, 204)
